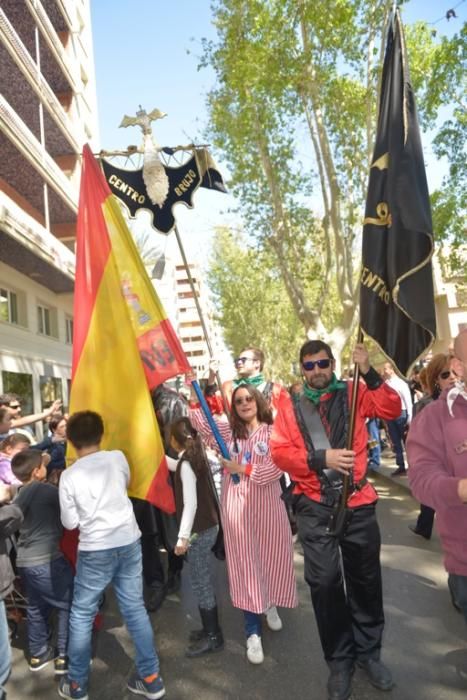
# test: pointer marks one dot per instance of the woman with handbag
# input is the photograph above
(257, 535)
(198, 517)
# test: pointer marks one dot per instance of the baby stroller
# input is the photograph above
(16, 605)
(15, 602)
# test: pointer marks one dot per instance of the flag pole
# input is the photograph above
(350, 435)
(200, 314)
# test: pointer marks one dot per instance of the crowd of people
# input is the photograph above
(293, 454)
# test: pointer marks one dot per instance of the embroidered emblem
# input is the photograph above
(261, 448)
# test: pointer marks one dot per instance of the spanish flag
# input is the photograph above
(123, 343)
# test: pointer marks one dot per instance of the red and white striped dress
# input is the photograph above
(257, 536)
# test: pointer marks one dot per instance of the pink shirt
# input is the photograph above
(6, 475)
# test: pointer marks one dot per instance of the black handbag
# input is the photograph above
(218, 548)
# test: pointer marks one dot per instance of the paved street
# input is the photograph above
(425, 641)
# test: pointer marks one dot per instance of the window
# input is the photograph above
(47, 321)
(8, 306)
(51, 389)
(43, 320)
(68, 330)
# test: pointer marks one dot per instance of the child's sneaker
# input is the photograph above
(153, 689)
(71, 689)
(61, 665)
(38, 662)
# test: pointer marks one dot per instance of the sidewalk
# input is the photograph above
(387, 467)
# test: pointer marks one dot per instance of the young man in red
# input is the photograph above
(343, 571)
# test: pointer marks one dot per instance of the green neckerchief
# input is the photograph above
(315, 394)
(253, 381)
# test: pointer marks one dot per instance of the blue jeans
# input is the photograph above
(252, 623)
(121, 566)
(48, 586)
(5, 649)
(396, 433)
(458, 587)
(373, 432)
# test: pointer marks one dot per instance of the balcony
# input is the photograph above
(32, 250)
(16, 138)
(20, 59)
(53, 42)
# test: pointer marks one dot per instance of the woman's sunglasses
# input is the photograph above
(243, 399)
(446, 374)
(311, 364)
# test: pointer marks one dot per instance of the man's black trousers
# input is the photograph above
(344, 575)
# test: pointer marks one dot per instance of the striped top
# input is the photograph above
(257, 535)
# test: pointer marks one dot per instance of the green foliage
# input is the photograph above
(252, 304)
(293, 114)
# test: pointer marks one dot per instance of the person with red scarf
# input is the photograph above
(343, 570)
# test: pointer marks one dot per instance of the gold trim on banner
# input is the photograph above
(395, 293)
(405, 78)
(384, 216)
(382, 163)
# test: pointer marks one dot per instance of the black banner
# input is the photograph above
(129, 187)
(396, 286)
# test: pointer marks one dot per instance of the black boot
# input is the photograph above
(196, 635)
(340, 683)
(212, 640)
(155, 597)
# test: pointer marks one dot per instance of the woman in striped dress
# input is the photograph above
(258, 540)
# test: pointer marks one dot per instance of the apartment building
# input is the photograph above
(179, 301)
(47, 111)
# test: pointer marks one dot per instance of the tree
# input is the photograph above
(438, 74)
(253, 306)
(298, 77)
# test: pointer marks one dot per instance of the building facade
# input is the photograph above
(450, 297)
(47, 112)
(180, 303)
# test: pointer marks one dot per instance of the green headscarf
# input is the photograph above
(253, 381)
(315, 394)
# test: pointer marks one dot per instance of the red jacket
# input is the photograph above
(289, 452)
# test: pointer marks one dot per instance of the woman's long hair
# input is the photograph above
(188, 438)
(264, 413)
(433, 370)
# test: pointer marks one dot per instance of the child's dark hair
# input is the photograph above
(84, 429)
(55, 421)
(24, 463)
(188, 438)
(14, 440)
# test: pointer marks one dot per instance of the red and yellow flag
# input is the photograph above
(123, 343)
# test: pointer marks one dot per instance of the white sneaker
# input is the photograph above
(273, 619)
(254, 649)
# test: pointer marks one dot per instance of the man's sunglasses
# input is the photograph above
(311, 364)
(243, 399)
(237, 360)
(14, 405)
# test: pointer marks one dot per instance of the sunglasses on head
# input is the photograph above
(237, 360)
(445, 374)
(244, 399)
(311, 364)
